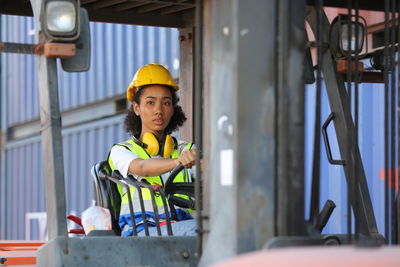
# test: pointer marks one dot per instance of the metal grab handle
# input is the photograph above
(131, 211)
(132, 181)
(166, 212)
(155, 208)
(330, 118)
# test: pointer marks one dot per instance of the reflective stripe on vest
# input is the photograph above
(148, 204)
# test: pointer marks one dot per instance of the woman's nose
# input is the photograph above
(158, 108)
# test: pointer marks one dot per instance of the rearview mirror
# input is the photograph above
(81, 61)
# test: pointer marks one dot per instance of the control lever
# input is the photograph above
(324, 215)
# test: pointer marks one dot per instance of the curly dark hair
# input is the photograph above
(133, 123)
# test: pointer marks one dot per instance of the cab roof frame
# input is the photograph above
(162, 13)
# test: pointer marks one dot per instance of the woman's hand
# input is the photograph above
(187, 158)
(158, 166)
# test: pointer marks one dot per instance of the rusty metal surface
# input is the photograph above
(21, 48)
(54, 50)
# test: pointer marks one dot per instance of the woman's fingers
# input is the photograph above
(186, 162)
(188, 158)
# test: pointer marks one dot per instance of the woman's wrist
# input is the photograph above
(176, 162)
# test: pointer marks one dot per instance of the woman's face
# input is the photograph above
(155, 109)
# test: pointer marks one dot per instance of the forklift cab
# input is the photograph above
(266, 120)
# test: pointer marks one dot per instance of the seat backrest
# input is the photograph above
(106, 192)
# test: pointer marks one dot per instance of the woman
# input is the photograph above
(151, 152)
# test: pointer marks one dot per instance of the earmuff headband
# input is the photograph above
(165, 148)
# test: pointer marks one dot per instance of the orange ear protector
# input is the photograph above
(165, 148)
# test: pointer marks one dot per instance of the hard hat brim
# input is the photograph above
(130, 92)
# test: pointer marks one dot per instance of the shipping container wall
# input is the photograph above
(24, 183)
(117, 52)
(371, 143)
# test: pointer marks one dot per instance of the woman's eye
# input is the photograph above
(168, 103)
(150, 102)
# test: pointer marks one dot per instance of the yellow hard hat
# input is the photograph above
(150, 74)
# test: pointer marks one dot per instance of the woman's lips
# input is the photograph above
(158, 121)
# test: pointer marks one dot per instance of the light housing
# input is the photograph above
(339, 35)
(81, 61)
(61, 19)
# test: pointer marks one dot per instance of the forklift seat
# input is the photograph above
(106, 193)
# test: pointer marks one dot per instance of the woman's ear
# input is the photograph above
(136, 108)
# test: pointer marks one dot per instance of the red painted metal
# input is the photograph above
(18, 252)
(319, 256)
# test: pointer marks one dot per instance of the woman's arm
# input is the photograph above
(154, 167)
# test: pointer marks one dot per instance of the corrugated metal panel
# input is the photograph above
(117, 52)
(24, 191)
(19, 83)
(24, 184)
(371, 142)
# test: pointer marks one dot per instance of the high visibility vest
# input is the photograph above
(153, 180)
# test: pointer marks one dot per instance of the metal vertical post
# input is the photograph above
(392, 123)
(350, 135)
(356, 118)
(50, 120)
(242, 120)
(315, 186)
(397, 189)
(198, 91)
(186, 80)
(290, 119)
(206, 116)
(3, 107)
(386, 116)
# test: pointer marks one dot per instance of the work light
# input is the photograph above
(343, 27)
(60, 20)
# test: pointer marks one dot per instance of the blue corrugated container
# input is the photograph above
(24, 183)
(371, 143)
(117, 52)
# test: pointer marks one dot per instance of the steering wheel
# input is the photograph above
(183, 188)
